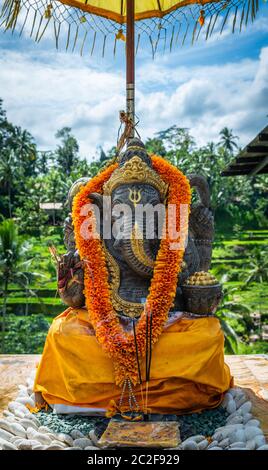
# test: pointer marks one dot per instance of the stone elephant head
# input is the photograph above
(137, 213)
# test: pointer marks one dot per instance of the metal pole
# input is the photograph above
(130, 63)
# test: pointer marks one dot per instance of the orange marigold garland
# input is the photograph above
(117, 343)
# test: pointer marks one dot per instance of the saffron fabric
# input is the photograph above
(118, 344)
(188, 373)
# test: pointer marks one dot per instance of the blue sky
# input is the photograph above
(215, 83)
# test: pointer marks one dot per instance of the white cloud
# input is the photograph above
(46, 91)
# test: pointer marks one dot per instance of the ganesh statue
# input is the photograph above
(140, 334)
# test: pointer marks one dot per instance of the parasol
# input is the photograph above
(161, 22)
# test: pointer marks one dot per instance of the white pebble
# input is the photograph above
(215, 448)
(44, 429)
(18, 429)
(65, 438)
(27, 423)
(22, 394)
(233, 391)
(38, 436)
(238, 448)
(34, 419)
(212, 444)
(260, 441)
(218, 436)
(55, 447)
(252, 431)
(82, 442)
(6, 445)
(197, 438)
(247, 417)
(18, 409)
(240, 401)
(253, 422)
(86, 448)
(231, 407)
(72, 448)
(39, 447)
(13, 439)
(227, 398)
(235, 420)
(5, 434)
(8, 414)
(6, 425)
(17, 441)
(245, 408)
(189, 445)
(12, 419)
(224, 443)
(58, 443)
(251, 444)
(93, 437)
(238, 435)
(25, 401)
(76, 434)
(202, 445)
(237, 445)
(264, 447)
(25, 444)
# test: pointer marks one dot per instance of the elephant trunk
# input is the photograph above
(137, 253)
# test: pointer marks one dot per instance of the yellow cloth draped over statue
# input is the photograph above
(187, 371)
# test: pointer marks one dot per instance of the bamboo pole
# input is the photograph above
(130, 64)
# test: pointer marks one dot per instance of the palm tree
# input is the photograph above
(9, 174)
(228, 140)
(258, 268)
(67, 153)
(24, 149)
(230, 309)
(13, 264)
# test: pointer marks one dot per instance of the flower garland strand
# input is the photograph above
(118, 344)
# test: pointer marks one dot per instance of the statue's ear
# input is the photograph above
(97, 199)
(201, 185)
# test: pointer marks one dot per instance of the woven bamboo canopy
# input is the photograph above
(165, 23)
(253, 159)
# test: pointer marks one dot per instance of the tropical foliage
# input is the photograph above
(30, 177)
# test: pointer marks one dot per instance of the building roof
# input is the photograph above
(253, 159)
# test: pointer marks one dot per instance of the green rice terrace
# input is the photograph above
(237, 263)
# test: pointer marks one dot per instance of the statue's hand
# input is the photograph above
(202, 222)
(71, 279)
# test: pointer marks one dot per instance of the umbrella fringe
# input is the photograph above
(68, 37)
(33, 25)
(83, 43)
(38, 29)
(137, 44)
(171, 39)
(165, 31)
(93, 44)
(177, 35)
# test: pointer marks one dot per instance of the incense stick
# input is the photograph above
(148, 357)
(138, 362)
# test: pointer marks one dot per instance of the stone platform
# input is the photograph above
(250, 373)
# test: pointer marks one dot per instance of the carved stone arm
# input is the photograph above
(201, 222)
(71, 279)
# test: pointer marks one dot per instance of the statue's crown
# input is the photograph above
(135, 166)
